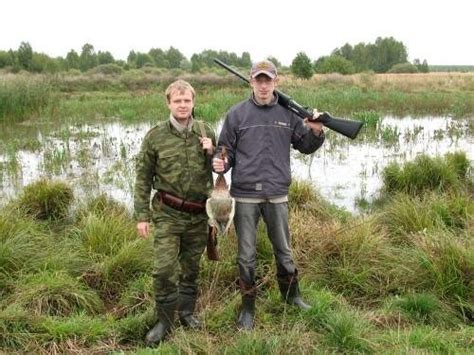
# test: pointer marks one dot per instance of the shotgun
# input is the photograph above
(348, 128)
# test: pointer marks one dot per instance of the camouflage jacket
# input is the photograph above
(173, 162)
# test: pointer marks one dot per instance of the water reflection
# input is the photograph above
(99, 158)
(350, 171)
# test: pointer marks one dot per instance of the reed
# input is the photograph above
(22, 97)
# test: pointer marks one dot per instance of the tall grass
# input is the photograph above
(23, 246)
(22, 97)
(426, 173)
(45, 200)
(55, 293)
(138, 95)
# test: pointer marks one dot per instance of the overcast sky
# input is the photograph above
(442, 32)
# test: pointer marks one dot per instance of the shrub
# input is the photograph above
(107, 69)
(403, 68)
(301, 66)
(335, 64)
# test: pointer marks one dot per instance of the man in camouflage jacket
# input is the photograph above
(173, 161)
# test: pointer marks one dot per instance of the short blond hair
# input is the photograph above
(179, 85)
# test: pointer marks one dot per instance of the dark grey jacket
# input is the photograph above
(258, 140)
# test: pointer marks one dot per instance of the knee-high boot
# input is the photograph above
(165, 321)
(186, 305)
(247, 312)
(290, 291)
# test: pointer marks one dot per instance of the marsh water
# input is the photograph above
(99, 157)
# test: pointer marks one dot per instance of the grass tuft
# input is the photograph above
(46, 200)
(57, 294)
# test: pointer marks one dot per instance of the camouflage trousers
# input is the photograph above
(179, 243)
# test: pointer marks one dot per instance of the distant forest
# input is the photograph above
(453, 68)
(385, 55)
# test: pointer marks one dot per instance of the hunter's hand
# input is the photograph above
(206, 144)
(218, 165)
(316, 126)
(143, 229)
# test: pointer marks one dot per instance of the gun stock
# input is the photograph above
(348, 128)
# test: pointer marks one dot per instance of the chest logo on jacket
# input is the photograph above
(280, 123)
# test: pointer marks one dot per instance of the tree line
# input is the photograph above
(385, 55)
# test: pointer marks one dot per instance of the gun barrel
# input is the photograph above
(235, 72)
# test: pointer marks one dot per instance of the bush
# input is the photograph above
(301, 66)
(335, 64)
(403, 68)
(107, 69)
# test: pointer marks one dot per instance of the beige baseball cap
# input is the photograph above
(263, 67)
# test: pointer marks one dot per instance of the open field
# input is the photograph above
(62, 96)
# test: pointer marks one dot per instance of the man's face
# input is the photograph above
(181, 104)
(263, 87)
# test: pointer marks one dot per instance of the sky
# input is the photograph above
(442, 32)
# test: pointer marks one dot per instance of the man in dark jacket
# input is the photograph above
(258, 134)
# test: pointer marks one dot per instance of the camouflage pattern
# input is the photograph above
(173, 162)
(180, 240)
(176, 163)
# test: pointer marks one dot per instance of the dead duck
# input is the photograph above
(220, 206)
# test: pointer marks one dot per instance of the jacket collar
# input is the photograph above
(179, 127)
(272, 103)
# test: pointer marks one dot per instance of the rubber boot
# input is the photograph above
(186, 307)
(247, 312)
(290, 291)
(164, 325)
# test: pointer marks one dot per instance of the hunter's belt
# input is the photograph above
(180, 204)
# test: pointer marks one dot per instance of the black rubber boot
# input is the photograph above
(164, 325)
(290, 291)
(247, 312)
(186, 307)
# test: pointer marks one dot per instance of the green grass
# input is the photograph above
(89, 329)
(424, 308)
(137, 95)
(24, 97)
(55, 293)
(346, 332)
(426, 173)
(45, 200)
